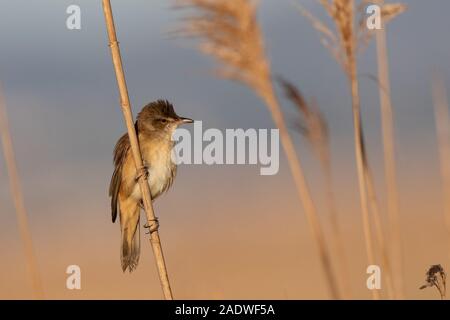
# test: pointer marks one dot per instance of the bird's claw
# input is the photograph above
(152, 225)
(142, 172)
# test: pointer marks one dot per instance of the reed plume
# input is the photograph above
(344, 44)
(436, 277)
(313, 126)
(19, 203)
(388, 12)
(232, 36)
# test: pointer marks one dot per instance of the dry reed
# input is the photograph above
(442, 120)
(231, 35)
(143, 183)
(436, 277)
(389, 11)
(19, 203)
(315, 129)
(344, 45)
(379, 235)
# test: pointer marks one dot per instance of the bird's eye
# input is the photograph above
(163, 120)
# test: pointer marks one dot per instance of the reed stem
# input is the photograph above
(19, 203)
(379, 236)
(442, 120)
(387, 125)
(143, 183)
(302, 189)
(360, 155)
(337, 233)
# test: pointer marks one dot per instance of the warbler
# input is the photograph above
(154, 127)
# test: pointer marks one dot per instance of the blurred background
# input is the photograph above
(227, 232)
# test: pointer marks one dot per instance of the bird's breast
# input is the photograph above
(157, 157)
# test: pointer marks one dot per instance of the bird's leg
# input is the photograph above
(152, 225)
(142, 172)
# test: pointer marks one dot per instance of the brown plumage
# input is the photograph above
(155, 125)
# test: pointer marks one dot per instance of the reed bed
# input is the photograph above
(232, 36)
(344, 44)
(230, 33)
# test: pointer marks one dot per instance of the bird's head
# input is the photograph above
(160, 117)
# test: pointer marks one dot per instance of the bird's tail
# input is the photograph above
(130, 250)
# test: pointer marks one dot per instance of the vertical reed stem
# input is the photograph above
(441, 113)
(302, 189)
(386, 266)
(387, 124)
(17, 195)
(143, 183)
(360, 155)
(336, 232)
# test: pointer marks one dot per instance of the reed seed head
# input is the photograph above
(436, 277)
(230, 33)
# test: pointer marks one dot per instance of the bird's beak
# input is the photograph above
(182, 120)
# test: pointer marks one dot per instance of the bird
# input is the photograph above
(154, 126)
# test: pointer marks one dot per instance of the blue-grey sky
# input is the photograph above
(62, 96)
(61, 81)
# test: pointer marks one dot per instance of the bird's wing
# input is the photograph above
(120, 153)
